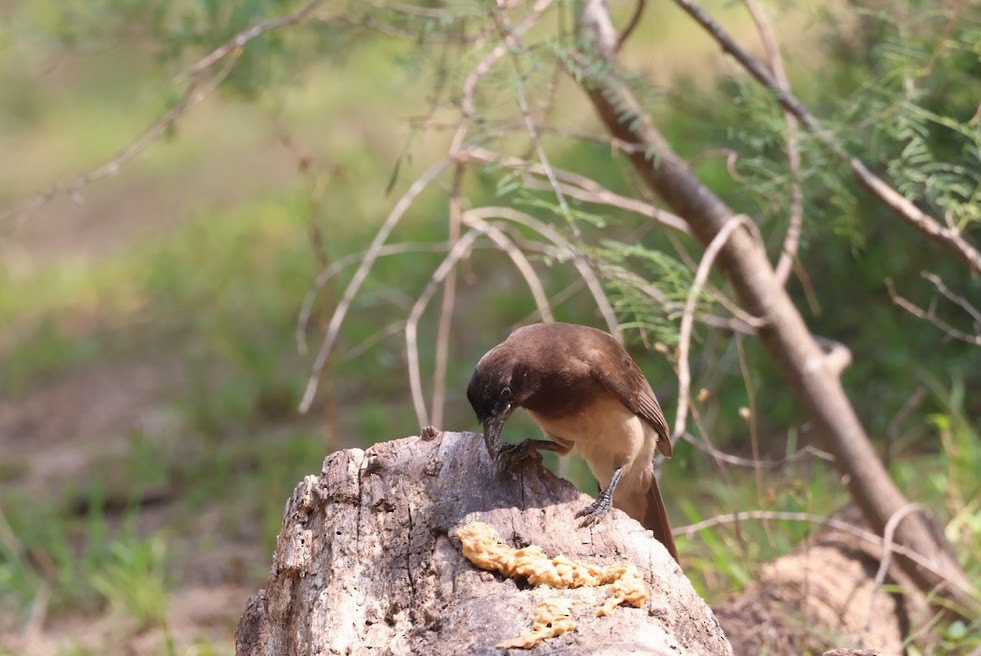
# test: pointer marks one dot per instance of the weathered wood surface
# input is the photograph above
(364, 562)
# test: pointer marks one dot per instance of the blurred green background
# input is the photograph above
(149, 372)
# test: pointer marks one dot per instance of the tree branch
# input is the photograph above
(688, 314)
(949, 237)
(566, 248)
(931, 316)
(334, 327)
(458, 251)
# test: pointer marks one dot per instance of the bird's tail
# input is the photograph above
(656, 518)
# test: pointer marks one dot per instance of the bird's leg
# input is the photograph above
(510, 456)
(595, 511)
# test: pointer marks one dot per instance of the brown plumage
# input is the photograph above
(587, 394)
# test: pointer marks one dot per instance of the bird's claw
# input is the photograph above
(594, 512)
(510, 456)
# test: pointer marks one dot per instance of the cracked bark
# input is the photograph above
(339, 582)
(785, 335)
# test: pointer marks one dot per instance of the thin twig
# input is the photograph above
(717, 295)
(632, 24)
(193, 94)
(888, 546)
(513, 42)
(950, 238)
(306, 310)
(363, 269)
(455, 210)
(791, 240)
(562, 296)
(242, 38)
(930, 316)
(579, 261)
(688, 315)
(743, 323)
(459, 249)
(582, 188)
(953, 15)
(800, 454)
(378, 336)
(473, 219)
(892, 430)
(959, 300)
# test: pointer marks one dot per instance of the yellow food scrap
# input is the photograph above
(482, 547)
(629, 587)
(553, 617)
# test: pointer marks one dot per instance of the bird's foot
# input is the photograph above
(597, 510)
(510, 456)
(594, 512)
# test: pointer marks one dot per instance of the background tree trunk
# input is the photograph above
(364, 562)
(785, 335)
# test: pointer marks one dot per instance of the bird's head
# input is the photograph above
(497, 387)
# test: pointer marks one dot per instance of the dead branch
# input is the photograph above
(687, 317)
(364, 268)
(728, 458)
(458, 251)
(306, 309)
(567, 251)
(930, 314)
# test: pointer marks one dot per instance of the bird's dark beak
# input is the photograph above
(493, 426)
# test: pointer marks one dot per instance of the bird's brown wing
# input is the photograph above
(629, 385)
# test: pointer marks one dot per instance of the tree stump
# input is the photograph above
(365, 562)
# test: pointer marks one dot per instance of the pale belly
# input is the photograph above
(608, 436)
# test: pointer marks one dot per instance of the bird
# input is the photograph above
(587, 395)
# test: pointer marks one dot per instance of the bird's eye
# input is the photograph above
(506, 393)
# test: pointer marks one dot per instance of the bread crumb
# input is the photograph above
(552, 618)
(483, 548)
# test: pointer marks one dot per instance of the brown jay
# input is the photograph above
(587, 394)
